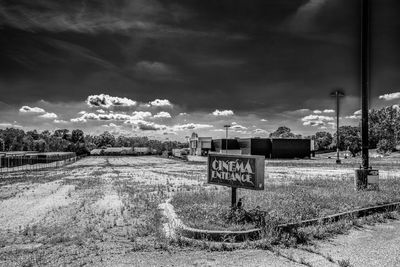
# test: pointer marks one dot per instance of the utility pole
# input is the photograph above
(226, 138)
(365, 79)
(337, 94)
(365, 175)
(234, 189)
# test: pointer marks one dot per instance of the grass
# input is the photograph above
(286, 203)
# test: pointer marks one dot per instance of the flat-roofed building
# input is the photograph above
(199, 146)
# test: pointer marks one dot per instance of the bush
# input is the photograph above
(385, 146)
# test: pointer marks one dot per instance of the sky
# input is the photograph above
(167, 68)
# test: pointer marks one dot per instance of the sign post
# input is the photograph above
(236, 171)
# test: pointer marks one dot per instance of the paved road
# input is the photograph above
(377, 245)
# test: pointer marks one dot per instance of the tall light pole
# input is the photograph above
(365, 79)
(365, 175)
(226, 137)
(337, 94)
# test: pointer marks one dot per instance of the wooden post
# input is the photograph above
(234, 191)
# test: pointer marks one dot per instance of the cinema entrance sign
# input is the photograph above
(236, 171)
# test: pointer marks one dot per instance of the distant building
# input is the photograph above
(199, 146)
(226, 146)
(142, 150)
(256, 146)
(96, 152)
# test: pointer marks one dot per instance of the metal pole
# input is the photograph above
(234, 189)
(337, 128)
(364, 173)
(365, 80)
(337, 94)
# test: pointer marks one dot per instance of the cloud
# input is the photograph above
(140, 115)
(183, 114)
(329, 111)
(146, 68)
(316, 120)
(356, 115)
(10, 125)
(317, 111)
(149, 126)
(260, 131)
(49, 115)
(163, 115)
(191, 126)
(161, 103)
(392, 96)
(223, 113)
(60, 121)
(303, 20)
(100, 111)
(236, 126)
(81, 18)
(27, 109)
(263, 120)
(106, 101)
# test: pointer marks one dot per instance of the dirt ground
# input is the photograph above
(104, 211)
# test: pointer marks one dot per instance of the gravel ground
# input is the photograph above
(96, 212)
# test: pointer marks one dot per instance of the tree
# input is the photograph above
(323, 140)
(350, 139)
(282, 132)
(27, 143)
(2, 144)
(39, 145)
(62, 133)
(385, 146)
(384, 127)
(106, 140)
(77, 136)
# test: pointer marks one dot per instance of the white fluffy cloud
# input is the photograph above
(60, 121)
(148, 126)
(329, 111)
(391, 96)
(236, 126)
(190, 126)
(140, 115)
(162, 115)
(27, 109)
(161, 103)
(218, 112)
(107, 101)
(316, 120)
(49, 115)
(356, 115)
(317, 111)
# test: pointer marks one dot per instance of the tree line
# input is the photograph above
(12, 139)
(384, 128)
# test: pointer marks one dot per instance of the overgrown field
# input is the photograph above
(301, 199)
(91, 212)
(100, 210)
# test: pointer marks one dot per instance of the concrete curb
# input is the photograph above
(175, 225)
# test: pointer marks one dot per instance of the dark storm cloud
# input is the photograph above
(249, 56)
